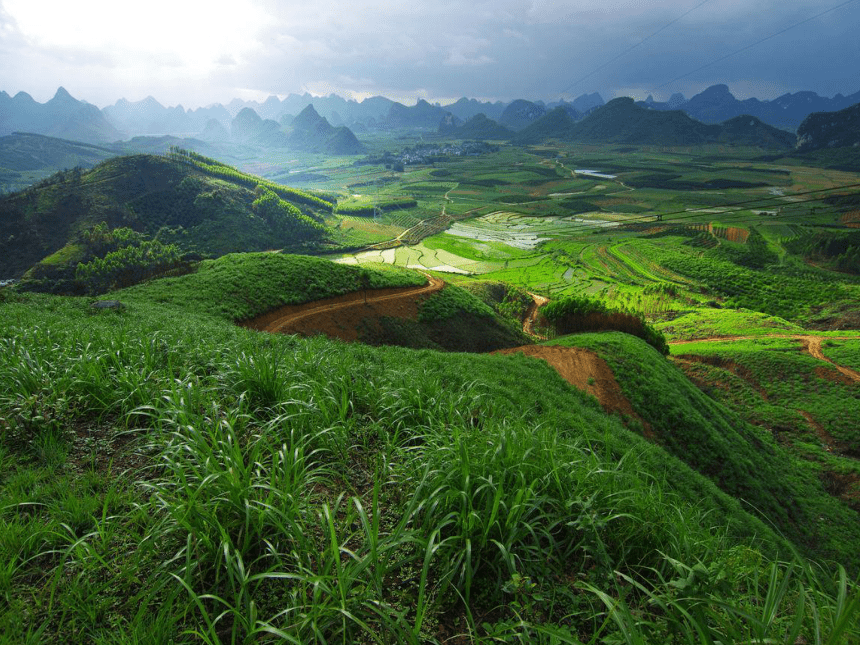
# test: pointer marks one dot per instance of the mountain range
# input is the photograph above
(717, 104)
(712, 116)
(63, 117)
(67, 118)
(624, 121)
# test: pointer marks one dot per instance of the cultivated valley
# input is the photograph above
(533, 376)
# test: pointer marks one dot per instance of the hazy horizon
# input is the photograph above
(198, 53)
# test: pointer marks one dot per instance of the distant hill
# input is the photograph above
(214, 131)
(717, 104)
(623, 121)
(480, 128)
(556, 124)
(830, 130)
(746, 130)
(313, 133)
(201, 206)
(582, 104)
(149, 117)
(20, 151)
(62, 117)
(449, 124)
(465, 109)
(520, 114)
(247, 127)
(572, 112)
(421, 115)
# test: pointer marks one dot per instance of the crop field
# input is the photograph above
(668, 233)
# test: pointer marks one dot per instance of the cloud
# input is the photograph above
(190, 51)
(458, 58)
(513, 33)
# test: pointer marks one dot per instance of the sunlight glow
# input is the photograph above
(187, 33)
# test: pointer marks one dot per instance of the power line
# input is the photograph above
(632, 47)
(750, 46)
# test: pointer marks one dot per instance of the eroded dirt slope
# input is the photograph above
(583, 369)
(342, 316)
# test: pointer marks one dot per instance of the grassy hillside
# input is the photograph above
(744, 460)
(195, 203)
(26, 157)
(241, 286)
(806, 404)
(452, 319)
(170, 477)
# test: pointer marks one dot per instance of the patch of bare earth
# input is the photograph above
(533, 314)
(342, 316)
(812, 344)
(586, 371)
(844, 486)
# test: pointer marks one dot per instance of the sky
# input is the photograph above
(199, 52)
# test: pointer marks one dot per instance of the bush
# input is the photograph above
(574, 314)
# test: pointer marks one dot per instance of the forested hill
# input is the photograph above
(830, 130)
(184, 200)
(622, 121)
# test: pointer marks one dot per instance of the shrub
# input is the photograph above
(575, 314)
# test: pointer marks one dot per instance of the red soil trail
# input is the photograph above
(811, 344)
(532, 315)
(586, 371)
(340, 316)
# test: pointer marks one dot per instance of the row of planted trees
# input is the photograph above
(287, 221)
(573, 314)
(840, 250)
(122, 257)
(215, 168)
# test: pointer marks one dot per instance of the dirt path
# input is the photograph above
(585, 370)
(288, 318)
(532, 315)
(811, 344)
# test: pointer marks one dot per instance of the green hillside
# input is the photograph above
(192, 202)
(742, 459)
(807, 405)
(170, 477)
(26, 151)
(240, 286)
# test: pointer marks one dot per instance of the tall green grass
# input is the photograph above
(168, 477)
